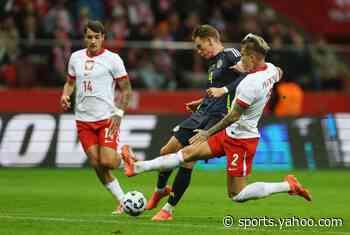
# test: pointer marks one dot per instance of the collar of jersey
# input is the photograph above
(261, 68)
(97, 54)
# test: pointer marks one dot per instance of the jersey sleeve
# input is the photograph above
(245, 94)
(118, 70)
(279, 73)
(71, 69)
(233, 55)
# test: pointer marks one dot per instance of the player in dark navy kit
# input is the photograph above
(222, 81)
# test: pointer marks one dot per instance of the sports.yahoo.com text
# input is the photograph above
(295, 221)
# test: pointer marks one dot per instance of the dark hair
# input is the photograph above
(95, 26)
(206, 31)
(255, 43)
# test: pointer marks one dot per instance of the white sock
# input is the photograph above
(168, 207)
(115, 189)
(261, 190)
(165, 162)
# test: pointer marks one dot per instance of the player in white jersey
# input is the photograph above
(94, 72)
(236, 135)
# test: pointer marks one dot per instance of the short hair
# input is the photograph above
(206, 31)
(95, 26)
(255, 43)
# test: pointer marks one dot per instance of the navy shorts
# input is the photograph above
(198, 120)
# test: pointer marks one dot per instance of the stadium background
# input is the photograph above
(153, 37)
(306, 126)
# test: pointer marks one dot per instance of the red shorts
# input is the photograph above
(95, 133)
(239, 152)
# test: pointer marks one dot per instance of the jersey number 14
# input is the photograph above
(87, 86)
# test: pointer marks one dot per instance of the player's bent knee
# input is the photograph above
(187, 153)
(105, 162)
(94, 162)
(188, 165)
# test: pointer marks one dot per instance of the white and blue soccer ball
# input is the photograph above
(134, 203)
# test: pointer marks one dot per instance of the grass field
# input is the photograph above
(71, 201)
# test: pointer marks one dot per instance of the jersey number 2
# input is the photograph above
(234, 160)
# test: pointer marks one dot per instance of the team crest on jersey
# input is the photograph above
(89, 65)
(219, 64)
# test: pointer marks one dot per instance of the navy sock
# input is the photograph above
(181, 183)
(163, 178)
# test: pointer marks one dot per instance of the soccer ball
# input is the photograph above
(134, 203)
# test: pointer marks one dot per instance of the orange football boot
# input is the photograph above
(296, 188)
(162, 215)
(156, 196)
(129, 160)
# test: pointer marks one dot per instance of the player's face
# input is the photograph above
(248, 59)
(93, 41)
(204, 47)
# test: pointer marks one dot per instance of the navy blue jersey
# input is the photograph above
(220, 75)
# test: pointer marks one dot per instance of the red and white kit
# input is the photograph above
(239, 141)
(95, 77)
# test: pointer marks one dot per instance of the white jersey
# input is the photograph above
(253, 92)
(95, 83)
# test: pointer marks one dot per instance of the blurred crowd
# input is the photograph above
(37, 37)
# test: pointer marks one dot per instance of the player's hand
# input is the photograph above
(192, 106)
(216, 92)
(201, 136)
(238, 67)
(65, 102)
(113, 125)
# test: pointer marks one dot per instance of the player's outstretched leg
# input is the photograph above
(261, 189)
(181, 183)
(161, 163)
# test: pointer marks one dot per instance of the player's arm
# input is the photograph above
(126, 92)
(230, 88)
(220, 91)
(217, 91)
(231, 117)
(68, 89)
(193, 105)
(69, 85)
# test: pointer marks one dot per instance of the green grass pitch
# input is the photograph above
(71, 201)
